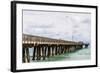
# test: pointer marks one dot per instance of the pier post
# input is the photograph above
(59, 49)
(38, 52)
(52, 50)
(44, 53)
(55, 49)
(41, 52)
(34, 52)
(23, 59)
(26, 54)
(64, 49)
(48, 54)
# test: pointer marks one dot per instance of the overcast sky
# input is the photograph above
(59, 25)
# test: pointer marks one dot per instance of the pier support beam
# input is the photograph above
(23, 54)
(48, 54)
(55, 49)
(44, 52)
(26, 57)
(34, 53)
(38, 52)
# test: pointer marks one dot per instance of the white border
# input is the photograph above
(21, 65)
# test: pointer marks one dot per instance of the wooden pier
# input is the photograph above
(44, 47)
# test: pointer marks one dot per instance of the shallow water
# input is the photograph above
(82, 54)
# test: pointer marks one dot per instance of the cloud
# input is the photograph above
(58, 25)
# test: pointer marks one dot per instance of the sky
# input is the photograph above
(59, 25)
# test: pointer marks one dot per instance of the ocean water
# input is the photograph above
(82, 54)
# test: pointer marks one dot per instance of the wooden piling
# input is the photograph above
(34, 51)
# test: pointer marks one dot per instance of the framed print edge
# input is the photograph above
(96, 36)
(13, 36)
(14, 32)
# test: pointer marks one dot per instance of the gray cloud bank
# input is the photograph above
(59, 25)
